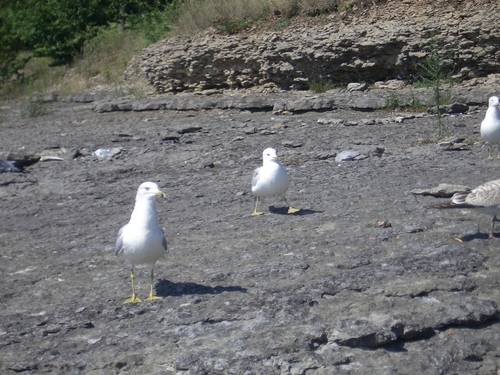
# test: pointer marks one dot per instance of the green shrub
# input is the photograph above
(436, 74)
(36, 107)
(320, 85)
(392, 102)
(233, 27)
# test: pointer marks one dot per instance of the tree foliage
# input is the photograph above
(58, 29)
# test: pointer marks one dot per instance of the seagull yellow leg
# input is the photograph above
(152, 297)
(255, 212)
(291, 210)
(134, 298)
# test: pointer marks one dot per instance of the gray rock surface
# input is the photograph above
(299, 101)
(328, 290)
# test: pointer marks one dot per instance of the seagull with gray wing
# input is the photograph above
(142, 241)
(490, 127)
(270, 179)
(484, 199)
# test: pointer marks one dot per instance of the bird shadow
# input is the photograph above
(165, 288)
(7, 183)
(474, 236)
(284, 211)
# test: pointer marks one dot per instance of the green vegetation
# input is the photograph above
(437, 73)
(58, 33)
(58, 29)
(69, 45)
(392, 102)
(281, 23)
(320, 85)
(36, 107)
(233, 27)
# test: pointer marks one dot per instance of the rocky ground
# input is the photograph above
(364, 280)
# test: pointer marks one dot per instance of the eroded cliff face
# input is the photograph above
(386, 42)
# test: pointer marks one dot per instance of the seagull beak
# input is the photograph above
(161, 194)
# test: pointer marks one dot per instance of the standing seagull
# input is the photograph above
(484, 199)
(490, 127)
(142, 241)
(270, 179)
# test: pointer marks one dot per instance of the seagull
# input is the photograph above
(484, 199)
(270, 179)
(490, 127)
(142, 241)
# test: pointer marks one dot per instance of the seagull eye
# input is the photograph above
(147, 188)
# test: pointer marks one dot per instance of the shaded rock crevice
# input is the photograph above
(399, 332)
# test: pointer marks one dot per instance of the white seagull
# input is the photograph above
(484, 199)
(270, 179)
(490, 127)
(142, 241)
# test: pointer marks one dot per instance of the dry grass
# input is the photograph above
(103, 62)
(37, 76)
(197, 15)
(105, 58)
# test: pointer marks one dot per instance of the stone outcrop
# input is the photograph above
(299, 102)
(391, 43)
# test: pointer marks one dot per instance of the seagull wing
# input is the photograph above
(119, 241)
(255, 177)
(485, 195)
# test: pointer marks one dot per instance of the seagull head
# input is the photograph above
(494, 102)
(269, 154)
(149, 190)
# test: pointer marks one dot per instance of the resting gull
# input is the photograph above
(142, 241)
(270, 179)
(490, 127)
(484, 199)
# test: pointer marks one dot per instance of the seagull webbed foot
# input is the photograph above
(133, 299)
(153, 298)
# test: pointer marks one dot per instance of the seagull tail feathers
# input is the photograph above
(451, 204)
(457, 201)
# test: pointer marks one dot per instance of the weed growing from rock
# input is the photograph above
(434, 66)
(392, 102)
(36, 107)
(320, 85)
